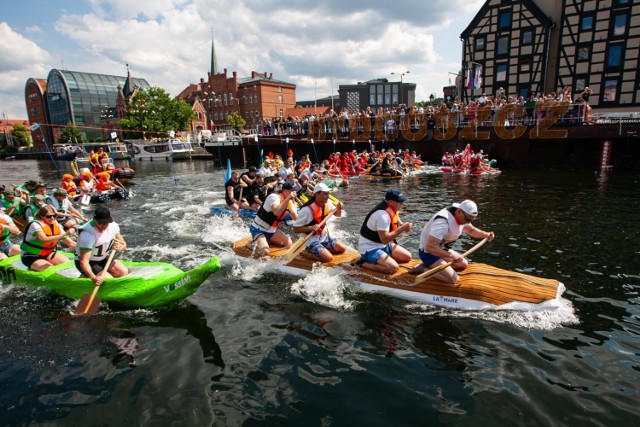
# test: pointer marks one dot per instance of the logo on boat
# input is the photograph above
(442, 298)
(7, 275)
(180, 283)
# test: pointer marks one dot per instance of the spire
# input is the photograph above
(214, 60)
(128, 88)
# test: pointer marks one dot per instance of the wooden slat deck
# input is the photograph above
(479, 281)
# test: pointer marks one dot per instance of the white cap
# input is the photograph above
(468, 206)
(320, 187)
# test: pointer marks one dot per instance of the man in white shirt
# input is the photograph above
(441, 232)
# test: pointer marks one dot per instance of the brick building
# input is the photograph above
(256, 98)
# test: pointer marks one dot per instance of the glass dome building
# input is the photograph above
(85, 100)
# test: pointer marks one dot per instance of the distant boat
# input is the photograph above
(168, 149)
(65, 151)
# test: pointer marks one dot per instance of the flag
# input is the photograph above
(469, 80)
(477, 83)
(227, 176)
(290, 153)
(212, 127)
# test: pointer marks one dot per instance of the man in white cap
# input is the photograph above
(439, 235)
(321, 246)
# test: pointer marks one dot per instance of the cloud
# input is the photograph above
(21, 58)
(315, 45)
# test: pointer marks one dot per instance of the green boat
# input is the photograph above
(148, 284)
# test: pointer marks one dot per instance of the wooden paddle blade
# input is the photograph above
(424, 276)
(87, 306)
(295, 249)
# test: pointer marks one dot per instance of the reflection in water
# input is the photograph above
(312, 350)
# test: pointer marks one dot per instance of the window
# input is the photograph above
(503, 45)
(481, 42)
(587, 23)
(581, 83)
(619, 25)
(610, 90)
(504, 20)
(280, 99)
(279, 88)
(379, 94)
(584, 53)
(621, 3)
(501, 72)
(525, 64)
(527, 37)
(614, 56)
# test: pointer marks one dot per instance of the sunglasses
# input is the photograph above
(467, 217)
(49, 216)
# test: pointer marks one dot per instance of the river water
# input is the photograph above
(257, 347)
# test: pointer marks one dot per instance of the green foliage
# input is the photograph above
(21, 136)
(154, 113)
(70, 135)
(236, 121)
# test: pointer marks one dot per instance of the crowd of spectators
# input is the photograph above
(535, 107)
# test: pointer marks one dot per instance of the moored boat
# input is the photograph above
(148, 284)
(481, 286)
(162, 150)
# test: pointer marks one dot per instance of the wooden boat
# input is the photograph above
(481, 286)
(148, 284)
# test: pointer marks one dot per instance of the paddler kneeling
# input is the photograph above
(321, 246)
(264, 228)
(439, 235)
(41, 238)
(96, 238)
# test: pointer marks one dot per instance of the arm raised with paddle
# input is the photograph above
(298, 246)
(424, 276)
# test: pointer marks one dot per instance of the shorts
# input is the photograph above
(316, 247)
(428, 259)
(29, 259)
(96, 266)
(4, 248)
(374, 255)
(256, 232)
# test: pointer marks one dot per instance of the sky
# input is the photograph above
(316, 45)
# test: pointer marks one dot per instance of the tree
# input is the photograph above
(21, 136)
(70, 134)
(154, 113)
(236, 121)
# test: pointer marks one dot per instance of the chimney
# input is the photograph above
(201, 80)
(270, 76)
(235, 75)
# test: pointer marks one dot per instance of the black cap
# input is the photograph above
(102, 215)
(287, 186)
(395, 195)
(252, 169)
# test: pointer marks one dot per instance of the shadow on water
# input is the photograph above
(54, 365)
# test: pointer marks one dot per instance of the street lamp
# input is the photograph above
(401, 83)
(431, 98)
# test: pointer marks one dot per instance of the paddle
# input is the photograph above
(298, 246)
(89, 304)
(424, 276)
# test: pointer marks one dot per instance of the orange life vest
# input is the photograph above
(36, 247)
